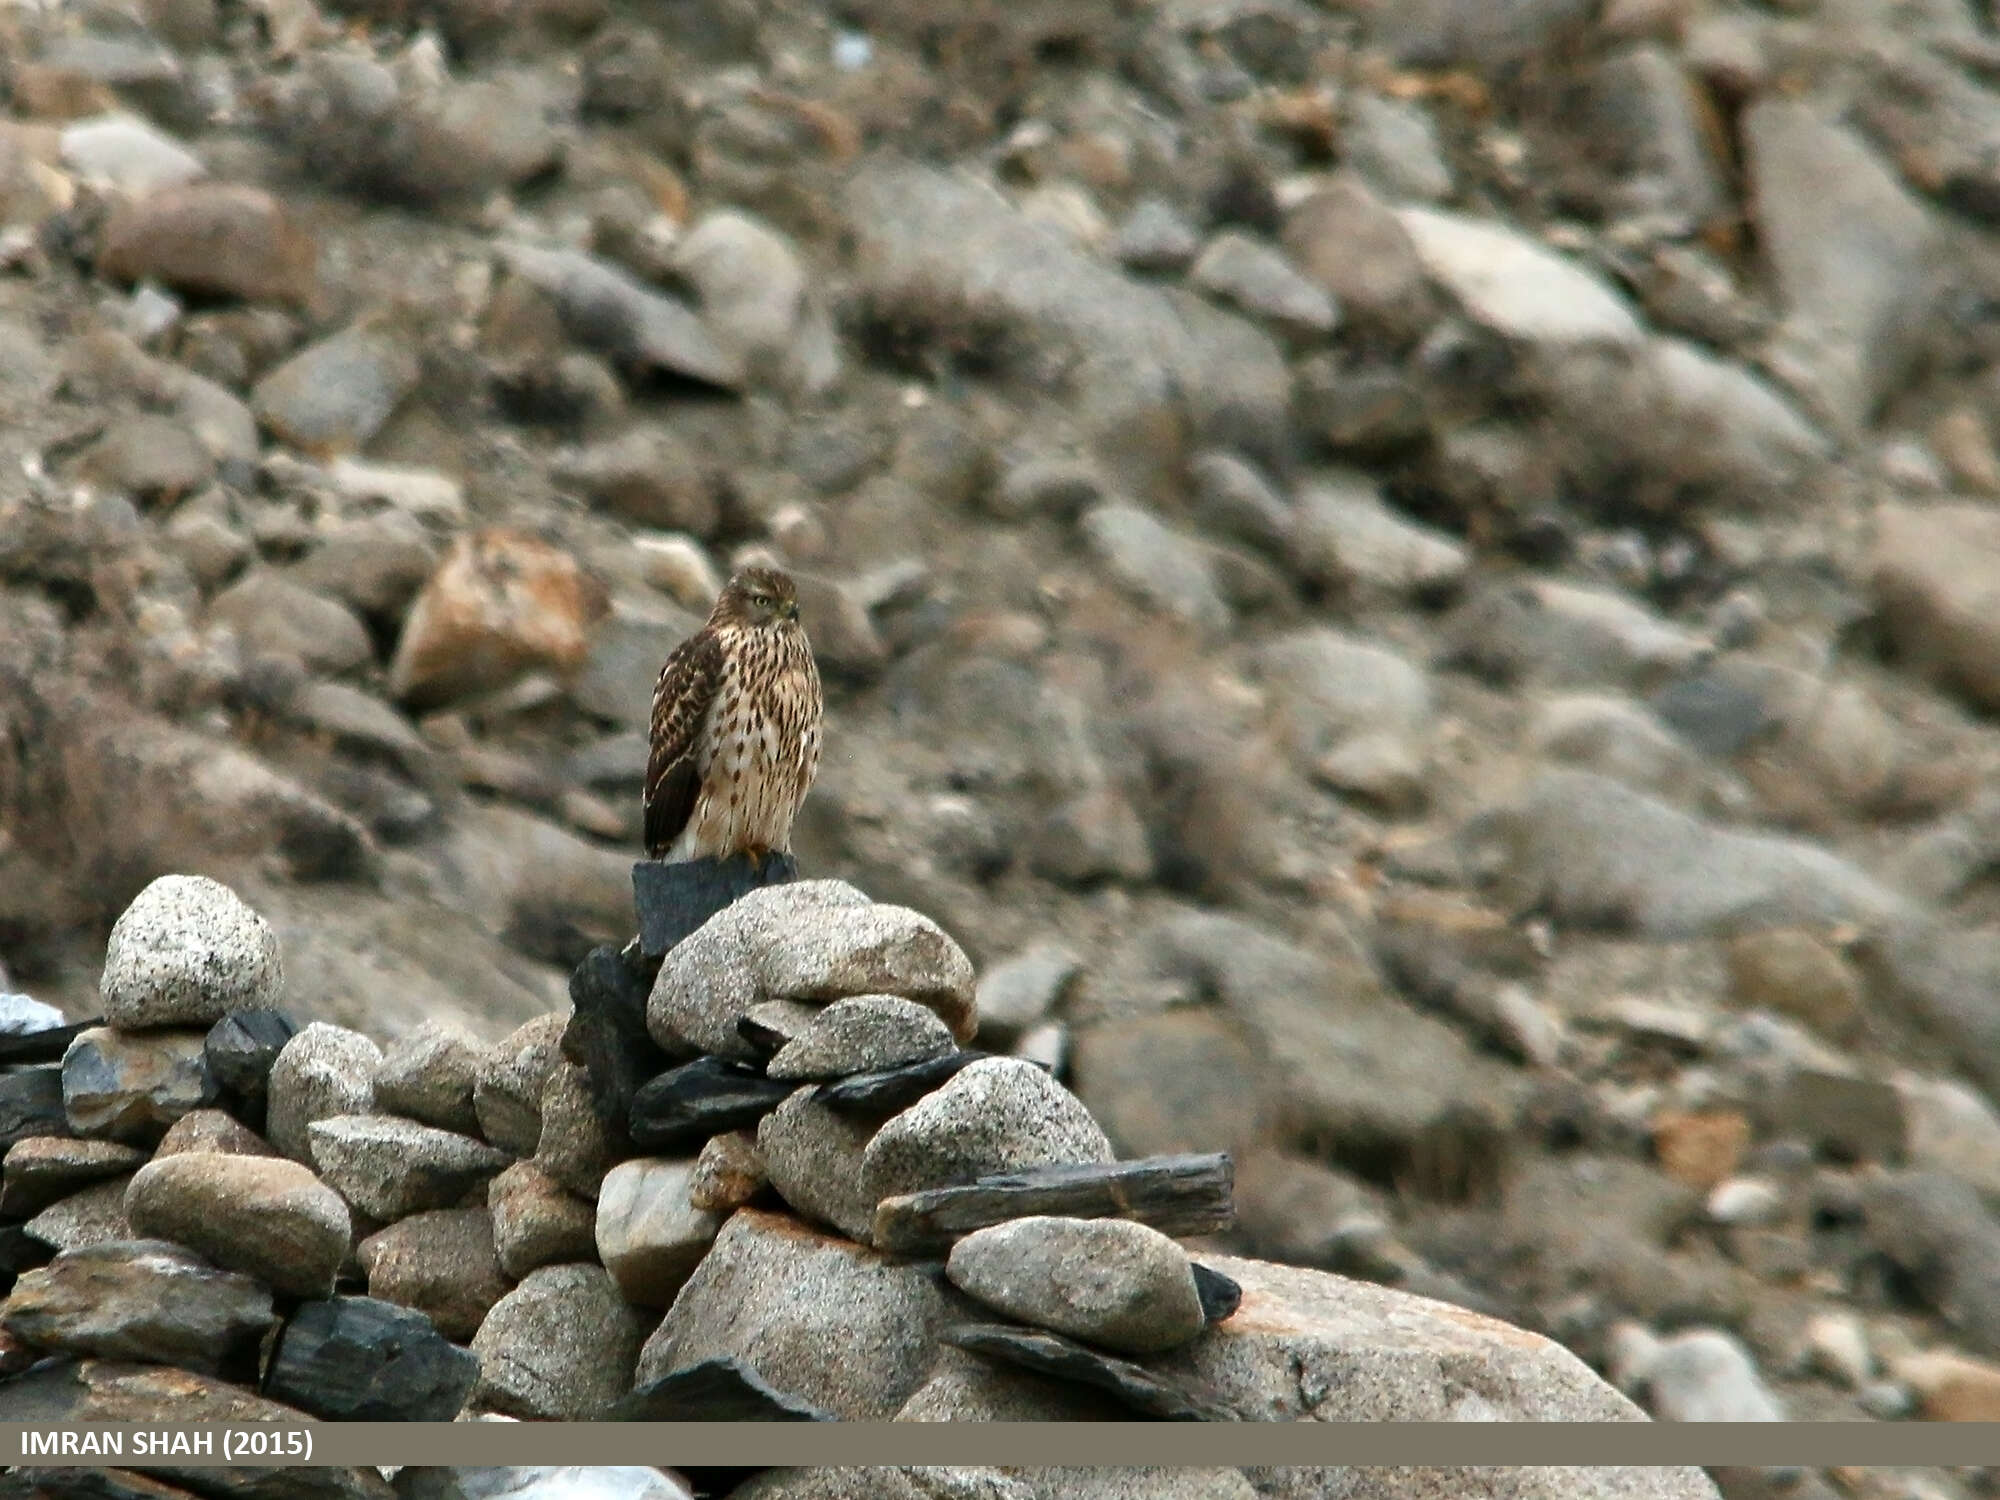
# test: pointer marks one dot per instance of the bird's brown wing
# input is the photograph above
(681, 701)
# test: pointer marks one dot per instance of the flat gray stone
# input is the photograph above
(93, 1216)
(648, 1235)
(560, 1347)
(262, 1215)
(142, 1300)
(130, 1086)
(44, 1168)
(1112, 1282)
(186, 952)
(1516, 287)
(323, 1071)
(998, 1115)
(390, 1168)
(865, 1034)
(822, 1318)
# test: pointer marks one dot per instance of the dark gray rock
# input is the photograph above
(359, 1359)
(141, 1300)
(878, 1095)
(1220, 1295)
(43, 1044)
(724, 1389)
(623, 319)
(1146, 1394)
(1178, 1195)
(241, 1049)
(31, 1104)
(686, 1105)
(606, 1036)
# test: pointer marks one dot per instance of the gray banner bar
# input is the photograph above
(1416, 1444)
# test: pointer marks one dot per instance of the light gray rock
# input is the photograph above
(954, 253)
(542, 1482)
(1017, 994)
(1939, 1233)
(1598, 1482)
(1309, 1345)
(1517, 288)
(813, 1157)
(141, 1300)
(1393, 143)
(1259, 280)
(1343, 532)
(336, 394)
(1704, 1375)
(1931, 577)
(813, 940)
(864, 1034)
(186, 952)
(962, 1387)
(1616, 737)
(649, 1236)
(1155, 238)
(831, 1322)
(428, 1074)
(560, 1346)
(390, 1168)
(1853, 256)
(263, 1215)
(1950, 1128)
(323, 1071)
(1601, 854)
(507, 1094)
(1166, 570)
(757, 301)
(536, 1221)
(1108, 1281)
(997, 1115)
(21, 1014)
(1354, 714)
(1566, 634)
(130, 1086)
(123, 150)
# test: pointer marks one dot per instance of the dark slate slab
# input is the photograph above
(359, 1359)
(40, 1046)
(240, 1049)
(1220, 1295)
(31, 1103)
(893, 1090)
(684, 1106)
(1177, 1195)
(722, 1389)
(607, 1037)
(674, 899)
(1164, 1397)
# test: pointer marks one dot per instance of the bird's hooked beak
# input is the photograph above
(792, 610)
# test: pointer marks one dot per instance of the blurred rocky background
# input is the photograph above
(1417, 584)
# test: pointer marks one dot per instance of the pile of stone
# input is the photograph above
(760, 1176)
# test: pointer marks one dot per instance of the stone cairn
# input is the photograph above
(756, 1172)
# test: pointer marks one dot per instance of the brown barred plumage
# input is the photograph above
(736, 727)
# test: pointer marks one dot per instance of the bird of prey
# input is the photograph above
(736, 728)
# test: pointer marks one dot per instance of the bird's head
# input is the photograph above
(758, 596)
